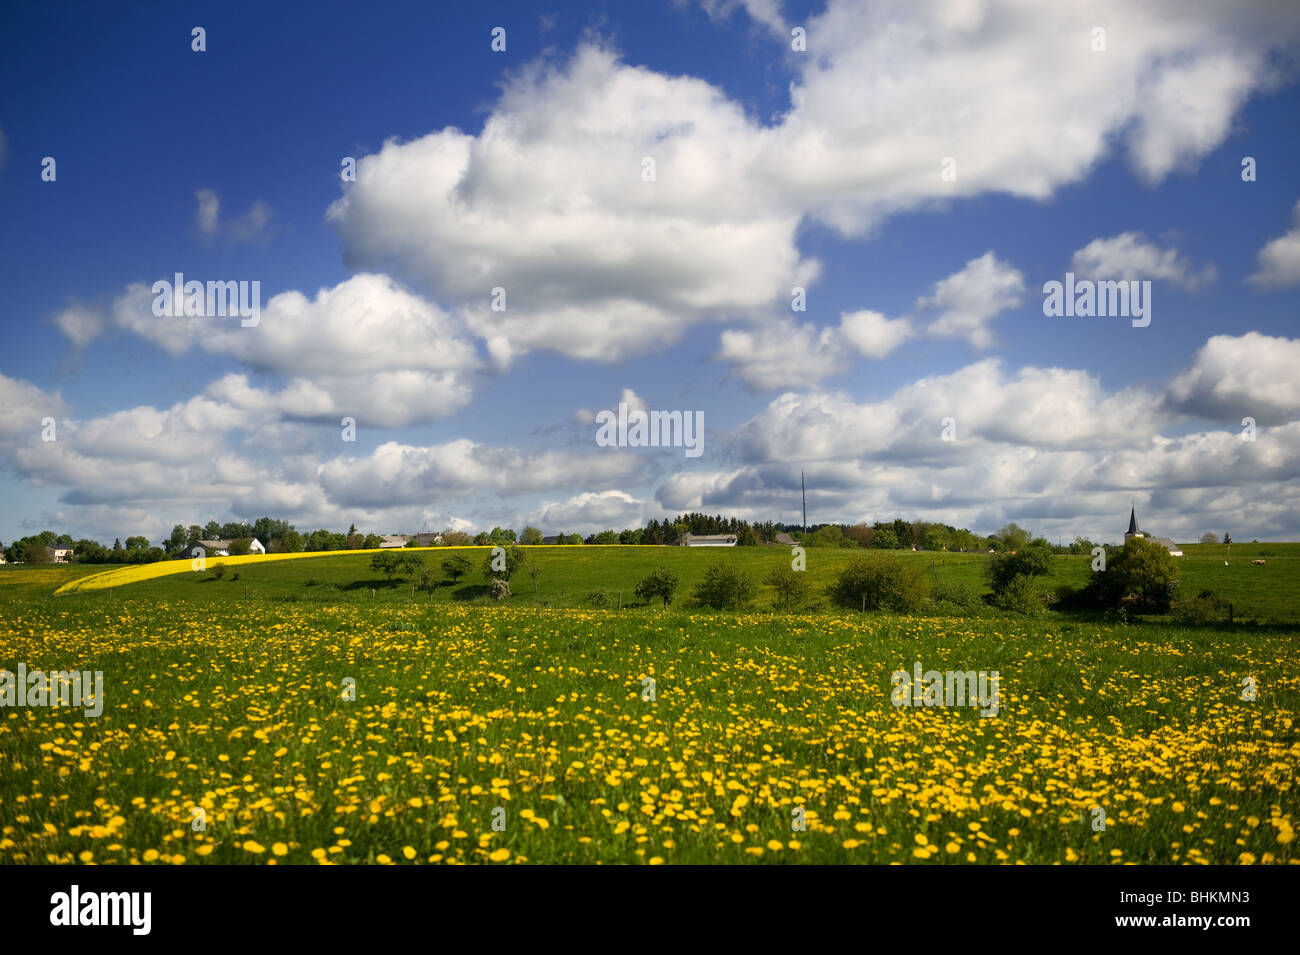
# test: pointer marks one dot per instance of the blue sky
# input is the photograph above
(775, 168)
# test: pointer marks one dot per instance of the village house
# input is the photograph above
(394, 540)
(221, 548)
(59, 555)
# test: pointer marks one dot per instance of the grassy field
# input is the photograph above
(540, 718)
(568, 574)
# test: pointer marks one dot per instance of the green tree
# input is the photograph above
(880, 582)
(178, 539)
(531, 535)
(1227, 538)
(885, 538)
(409, 567)
(607, 537)
(1030, 560)
(507, 560)
(831, 535)
(33, 551)
(239, 547)
(790, 587)
(1209, 537)
(1142, 571)
(724, 586)
(291, 542)
(1012, 537)
(662, 583)
(211, 530)
(456, 566)
(372, 541)
(385, 562)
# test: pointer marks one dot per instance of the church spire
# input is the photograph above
(1132, 521)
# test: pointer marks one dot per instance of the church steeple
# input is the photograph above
(1132, 521)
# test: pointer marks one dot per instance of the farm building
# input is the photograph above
(59, 555)
(1164, 542)
(708, 540)
(221, 548)
(394, 540)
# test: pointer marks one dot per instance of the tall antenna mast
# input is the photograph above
(803, 489)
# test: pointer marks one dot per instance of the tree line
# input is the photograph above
(279, 536)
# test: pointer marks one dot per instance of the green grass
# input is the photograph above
(1268, 593)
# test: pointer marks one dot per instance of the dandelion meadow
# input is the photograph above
(268, 731)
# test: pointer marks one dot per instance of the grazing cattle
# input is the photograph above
(1257, 562)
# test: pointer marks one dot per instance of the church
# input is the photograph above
(1164, 542)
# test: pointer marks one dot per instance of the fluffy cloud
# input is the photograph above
(1035, 407)
(22, 407)
(968, 300)
(784, 354)
(1232, 377)
(1014, 92)
(1130, 256)
(366, 348)
(1279, 260)
(1020, 439)
(591, 512)
(548, 200)
(549, 203)
(403, 474)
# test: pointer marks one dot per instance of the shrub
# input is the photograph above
(790, 586)
(499, 589)
(1031, 559)
(725, 587)
(957, 595)
(1018, 596)
(1205, 607)
(218, 570)
(662, 584)
(598, 598)
(879, 582)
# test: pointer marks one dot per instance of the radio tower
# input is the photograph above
(803, 490)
